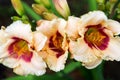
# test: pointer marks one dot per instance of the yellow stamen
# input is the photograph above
(94, 36)
(20, 47)
(57, 41)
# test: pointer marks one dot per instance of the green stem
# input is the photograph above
(30, 12)
(92, 5)
(97, 73)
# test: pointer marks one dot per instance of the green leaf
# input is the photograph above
(30, 12)
(68, 69)
(92, 5)
(71, 67)
(32, 77)
(97, 72)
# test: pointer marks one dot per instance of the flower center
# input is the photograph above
(55, 44)
(96, 37)
(19, 49)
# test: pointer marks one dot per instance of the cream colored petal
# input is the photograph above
(43, 54)
(113, 50)
(54, 63)
(36, 67)
(93, 18)
(48, 28)
(72, 26)
(3, 37)
(78, 49)
(61, 62)
(65, 43)
(4, 48)
(10, 62)
(61, 23)
(61, 29)
(114, 26)
(20, 30)
(82, 52)
(39, 40)
(93, 64)
(4, 44)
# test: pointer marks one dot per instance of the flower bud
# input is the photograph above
(100, 1)
(62, 8)
(18, 6)
(49, 16)
(39, 8)
(46, 3)
(15, 18)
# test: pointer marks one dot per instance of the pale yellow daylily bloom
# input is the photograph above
(55, 52)
(18, 49)
(93, 38)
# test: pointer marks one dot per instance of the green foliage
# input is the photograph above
(30, 12)
(32, 77)
(92, 5)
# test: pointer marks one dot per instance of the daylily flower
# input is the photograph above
(19, 47)
(62, 7)
(93, 38)
(56, 50)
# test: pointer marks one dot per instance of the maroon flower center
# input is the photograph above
(19, 49)
(96, 37)
(55, 44)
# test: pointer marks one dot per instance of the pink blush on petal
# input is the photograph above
(27, 57)
(19, 49)
(96, 37)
